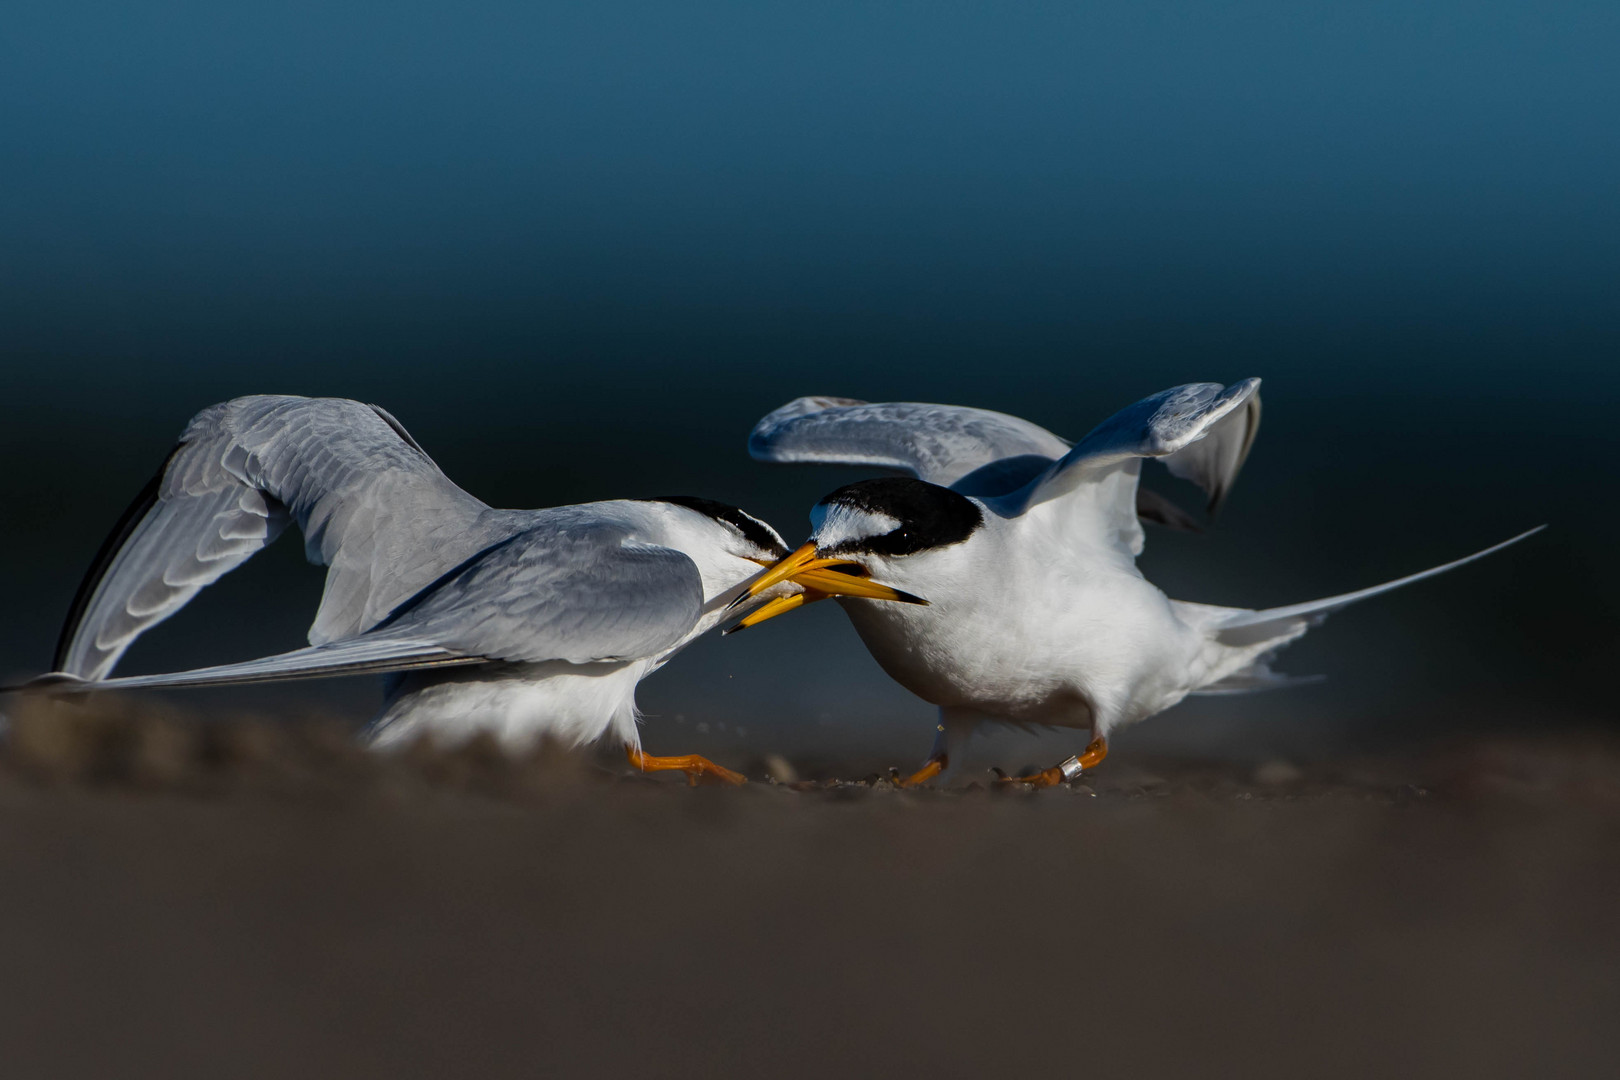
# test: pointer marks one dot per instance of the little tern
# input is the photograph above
(1023, 550)
(521, 623)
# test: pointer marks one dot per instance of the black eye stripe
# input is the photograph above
(930, 516)
(753, 530)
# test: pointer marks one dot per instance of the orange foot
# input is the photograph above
(1067, 770)
(695, 766)
(933, 768)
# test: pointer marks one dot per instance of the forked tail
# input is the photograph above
(1242, 642)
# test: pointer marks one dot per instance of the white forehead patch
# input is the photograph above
(838, 524)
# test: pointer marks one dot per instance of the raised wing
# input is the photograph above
(1097, 480)
(569, 588)
(937, 443)
(978, 452)
(1213, 461)
(372, 506)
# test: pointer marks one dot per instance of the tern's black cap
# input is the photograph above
(755, 531)
(930, 516)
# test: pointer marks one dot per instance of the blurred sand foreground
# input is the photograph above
(253, 900)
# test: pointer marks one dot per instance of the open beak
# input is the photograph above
(819, 578)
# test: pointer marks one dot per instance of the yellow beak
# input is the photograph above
(820, 578)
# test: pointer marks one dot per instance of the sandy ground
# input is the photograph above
(252, 900)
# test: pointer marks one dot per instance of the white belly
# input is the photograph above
(518, 704)
(1091, 652)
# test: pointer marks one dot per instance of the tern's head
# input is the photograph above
(867, 533)
(878, 520)
(737, 532)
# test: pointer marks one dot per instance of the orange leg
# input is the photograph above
(695, 766)
(1095, 752)
(1068, 770)
(933, 767)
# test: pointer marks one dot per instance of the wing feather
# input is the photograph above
(372, 506)
(978, 452)
(1096, 481)
(937, 443)
(356, 656)
(574, 586)
(1213, 462)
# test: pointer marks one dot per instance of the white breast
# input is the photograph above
(1028, 626)
(518, 704)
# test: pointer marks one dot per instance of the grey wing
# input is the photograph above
(1098, 478)
(973, 451)
(1214, 460)
(566, 589)
(364, 655)
(372, 506)
(937, 443)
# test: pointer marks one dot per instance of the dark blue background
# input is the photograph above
(579, 249)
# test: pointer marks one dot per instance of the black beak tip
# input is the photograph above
(909, 598)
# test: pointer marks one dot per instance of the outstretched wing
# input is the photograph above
(1097, 480)
(354, 656)
(372, 506)
(569, 588)
(937, 443)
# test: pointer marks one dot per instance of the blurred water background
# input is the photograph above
(580, 248)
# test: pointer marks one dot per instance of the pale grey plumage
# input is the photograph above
(568, 587)
(982, 453)
(1166, 425)
(371, 504)
(571, 586)
(1103, 469)
(937, 443)
(368, 654)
